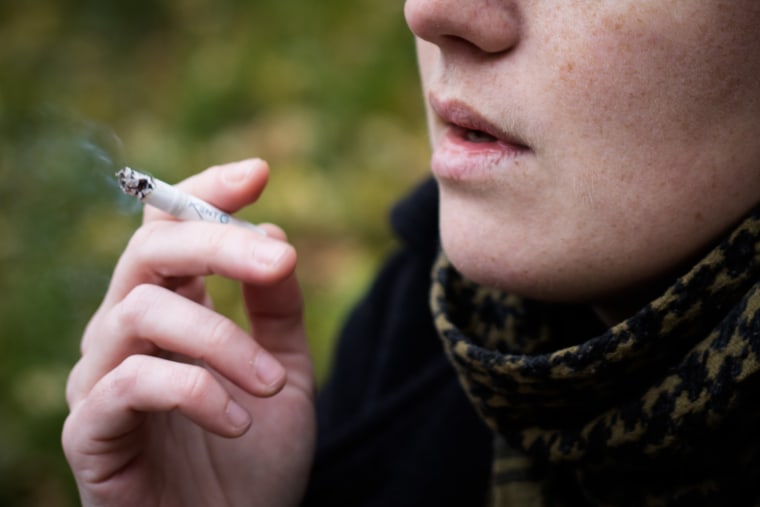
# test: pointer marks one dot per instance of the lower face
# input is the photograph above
(633, 144)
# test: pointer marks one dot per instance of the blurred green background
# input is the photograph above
(325, 91)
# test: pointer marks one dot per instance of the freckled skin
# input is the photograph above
(642, 118)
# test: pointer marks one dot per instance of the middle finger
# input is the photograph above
(152, 319)
(164, 250)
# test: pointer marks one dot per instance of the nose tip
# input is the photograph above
(491, 26)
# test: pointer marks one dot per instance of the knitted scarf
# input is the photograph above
(661, 409)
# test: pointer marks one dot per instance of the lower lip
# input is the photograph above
(456, 158)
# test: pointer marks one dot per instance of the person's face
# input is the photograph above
(586, 149)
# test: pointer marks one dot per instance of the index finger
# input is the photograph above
(229, 187)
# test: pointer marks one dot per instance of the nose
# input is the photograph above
(491, 26)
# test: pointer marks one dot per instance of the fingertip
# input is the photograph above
(269, 372)
(273, 231)
(273, 256)
(243, 171)
(229, 186)
(238, 418)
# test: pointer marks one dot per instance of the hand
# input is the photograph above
(172, 403)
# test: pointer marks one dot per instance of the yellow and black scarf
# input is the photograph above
(661, 409)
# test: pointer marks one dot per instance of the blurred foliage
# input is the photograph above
(325, 91)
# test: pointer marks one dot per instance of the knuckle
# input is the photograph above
(73, 389)
(147, 248)
(132, 309)
(123, 379)
(143, 237)
(197, 383)
(222, 331)
(219, 239)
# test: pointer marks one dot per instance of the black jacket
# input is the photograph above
(395, 428)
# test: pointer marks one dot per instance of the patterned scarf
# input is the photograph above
(661, 409)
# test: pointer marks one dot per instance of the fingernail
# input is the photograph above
(268, 369)
(236, 415)
(237, 172)
(269, 253)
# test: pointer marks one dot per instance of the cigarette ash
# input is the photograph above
(135, 183)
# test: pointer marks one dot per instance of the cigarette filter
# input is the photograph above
(174, 201)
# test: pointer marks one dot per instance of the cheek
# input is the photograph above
(644, 119)
(666, 83)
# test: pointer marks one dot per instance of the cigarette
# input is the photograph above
(174, 201)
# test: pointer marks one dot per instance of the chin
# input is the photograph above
(519, 269)
(487, 266)
(484, 251)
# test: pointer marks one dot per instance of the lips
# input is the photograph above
(471, 147)
(470, 124)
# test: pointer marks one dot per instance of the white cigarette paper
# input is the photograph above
(174, 201)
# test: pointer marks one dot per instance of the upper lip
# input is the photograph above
(460, 114)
